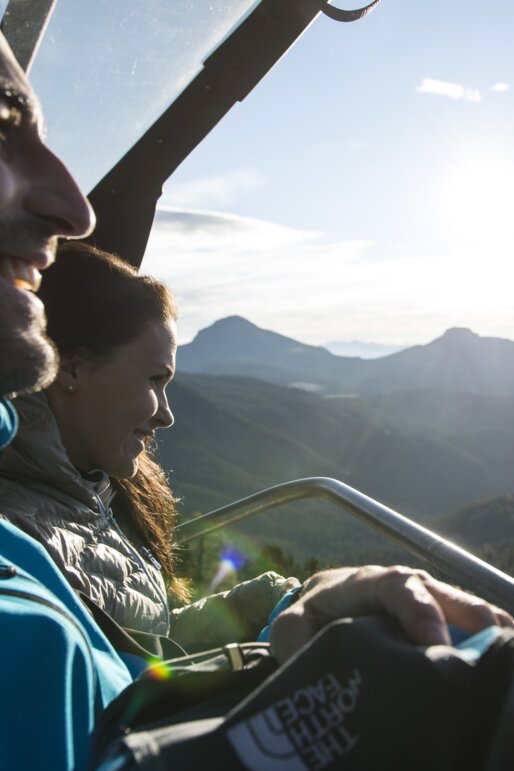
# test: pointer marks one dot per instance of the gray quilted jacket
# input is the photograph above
(45, 495)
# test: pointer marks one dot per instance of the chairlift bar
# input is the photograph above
(23, 24)
(455, 563)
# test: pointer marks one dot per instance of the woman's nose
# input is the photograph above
(164, 416)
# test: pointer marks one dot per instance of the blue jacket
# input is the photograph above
(58, 670)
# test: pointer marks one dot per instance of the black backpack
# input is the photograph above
(358, 697)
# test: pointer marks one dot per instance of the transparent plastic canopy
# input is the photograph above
(106, 69)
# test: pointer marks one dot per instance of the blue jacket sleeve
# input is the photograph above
(58, 670)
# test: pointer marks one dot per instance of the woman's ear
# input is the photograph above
(70, 370)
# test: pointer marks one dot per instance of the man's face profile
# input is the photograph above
(39, 201)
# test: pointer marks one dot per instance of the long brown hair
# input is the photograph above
(96, 302)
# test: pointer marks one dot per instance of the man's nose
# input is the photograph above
(56, 198)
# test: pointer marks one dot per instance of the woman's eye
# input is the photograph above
(161, 380)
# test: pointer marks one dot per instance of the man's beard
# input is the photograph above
(28, 359)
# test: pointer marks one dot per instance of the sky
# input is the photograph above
(362, 191)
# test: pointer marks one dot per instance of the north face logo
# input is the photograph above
(304, 732)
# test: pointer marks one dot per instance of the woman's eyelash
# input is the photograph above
(160, 380)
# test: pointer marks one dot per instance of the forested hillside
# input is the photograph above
(234, 436)
(428, 431)
(486, 528)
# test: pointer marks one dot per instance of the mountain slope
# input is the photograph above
(485, 528)
(234, 346)
(234, 436)
(446, 413)
(459, 360)
(426, 430)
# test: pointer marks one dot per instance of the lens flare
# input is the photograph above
(232, 559)
(159, 670)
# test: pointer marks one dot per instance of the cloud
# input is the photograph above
(452, 90)
(225, 189)
(221, 264)
(500, 87)
(314, 288)
(199, 228)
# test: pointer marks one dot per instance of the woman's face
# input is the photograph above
(107, 411)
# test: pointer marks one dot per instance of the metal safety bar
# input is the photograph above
(455, 563)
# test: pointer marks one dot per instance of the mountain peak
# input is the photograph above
(229, 329)
(232, 321)
(235, 346)
(235, 334)
(455, 338)
(231, 325)
(459, 333)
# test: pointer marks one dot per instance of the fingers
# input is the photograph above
(290, 631)
(398, 591)
(504, 619)
(422, 605)
(344, 592)
(331, 594)
(466, 610)
(403, 595)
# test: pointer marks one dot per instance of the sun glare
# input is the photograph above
(475, 268)
(477, 198)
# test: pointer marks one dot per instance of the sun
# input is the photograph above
(473, 277)
(477, 198)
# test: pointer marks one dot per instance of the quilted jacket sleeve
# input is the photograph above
(236, 615)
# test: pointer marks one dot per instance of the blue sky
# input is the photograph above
(364, 190)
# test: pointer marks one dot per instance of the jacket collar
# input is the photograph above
(37, 456)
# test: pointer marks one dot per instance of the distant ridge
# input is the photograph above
(235, 346)
(458, 361)
(362, 349)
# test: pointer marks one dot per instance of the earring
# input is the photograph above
(70, 388)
